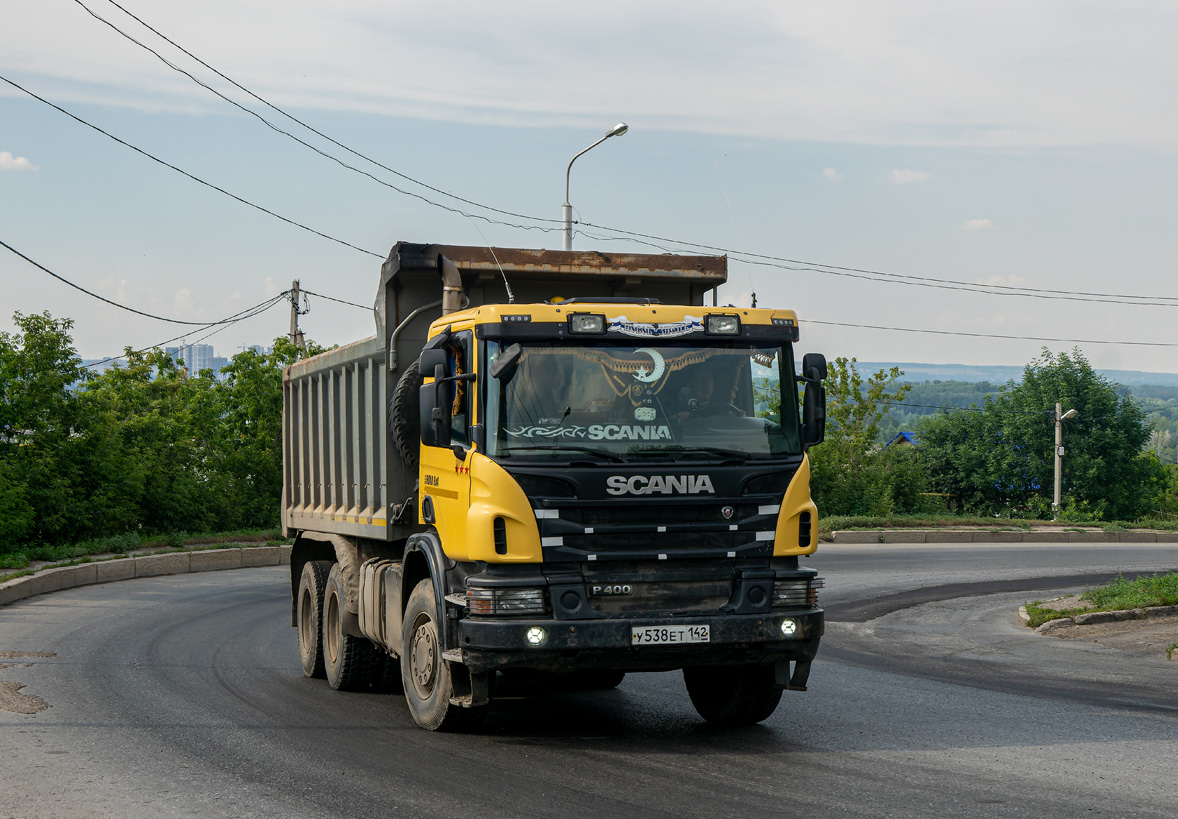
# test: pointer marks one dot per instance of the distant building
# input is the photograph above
(904, 439)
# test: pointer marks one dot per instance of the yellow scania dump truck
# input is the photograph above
(558, 464)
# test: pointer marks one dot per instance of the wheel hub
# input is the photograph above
(424, 658)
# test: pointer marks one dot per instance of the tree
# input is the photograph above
(1001, 459)
(850, 473)
(144, 447)
(250, 455)
(41, 431)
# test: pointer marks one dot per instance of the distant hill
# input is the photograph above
(1000, 375)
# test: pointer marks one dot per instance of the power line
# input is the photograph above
(186, 173)
(294, 119)
(40, 266)
(991, 335)
(331, 298)
(750, 258)
(247, 313)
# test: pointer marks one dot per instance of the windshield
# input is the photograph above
(611, 402)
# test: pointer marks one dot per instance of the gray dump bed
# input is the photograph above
(341, 472)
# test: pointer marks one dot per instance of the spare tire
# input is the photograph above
(405, 415)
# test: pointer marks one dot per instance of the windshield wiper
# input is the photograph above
(599, 453)
(694, 450)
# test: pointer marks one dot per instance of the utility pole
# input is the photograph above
(1060, 417)
(296, 335)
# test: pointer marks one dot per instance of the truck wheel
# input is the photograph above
(388, 677)
(405, 414)
(733, 695)
(310, 612)
(350, 661)
(425, 675)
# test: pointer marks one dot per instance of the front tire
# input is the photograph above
(425, 673)
(310, 613)
(733, 695)
(352, 663)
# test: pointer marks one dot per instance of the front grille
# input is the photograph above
(624, 514)
(572, 530)
(623, 588)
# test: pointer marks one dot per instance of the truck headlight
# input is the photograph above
(500, 602)
(798, 592)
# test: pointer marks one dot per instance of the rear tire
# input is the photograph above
(352, 663)
(424, 673)
(310, 614)
(733, 695)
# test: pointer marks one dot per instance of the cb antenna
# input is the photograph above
(506, 284)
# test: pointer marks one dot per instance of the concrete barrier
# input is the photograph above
(107, 571)
(216, 560)
(260, 556)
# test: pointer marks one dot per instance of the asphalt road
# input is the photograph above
(183, 696)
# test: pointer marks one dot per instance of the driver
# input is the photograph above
(701, 385)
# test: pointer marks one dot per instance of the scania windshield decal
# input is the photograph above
(669, 329)
(659, 485)
(571, 431)
(596, 432)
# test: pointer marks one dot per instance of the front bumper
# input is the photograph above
(569, 645)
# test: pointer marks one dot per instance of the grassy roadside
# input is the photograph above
(29, 560)
(1120, 594)
(837, 523)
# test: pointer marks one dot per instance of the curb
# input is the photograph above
(1095, 617)
(859, 536)
(127, 568)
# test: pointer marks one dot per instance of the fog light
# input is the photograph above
(789, 627)
(537, 636)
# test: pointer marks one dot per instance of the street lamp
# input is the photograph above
(1060, 417)
(617, 130)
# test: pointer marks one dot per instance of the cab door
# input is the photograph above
(445, 477)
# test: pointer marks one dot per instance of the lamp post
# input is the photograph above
(1060, 417)
(617, 130)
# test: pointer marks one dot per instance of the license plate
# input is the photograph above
(668, 635)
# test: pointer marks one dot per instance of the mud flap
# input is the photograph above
(471, 690)
(796, 681)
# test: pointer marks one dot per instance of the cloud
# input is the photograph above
(831, 175)
(978, 224)
(8, 162)
(905, 176)
(917, 73)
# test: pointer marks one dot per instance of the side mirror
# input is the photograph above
(814, 361)
(429, 360)
(503, 367)
(434, 406)
(813, 400)
(813, 414)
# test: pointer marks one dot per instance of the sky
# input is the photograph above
(921, 181)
